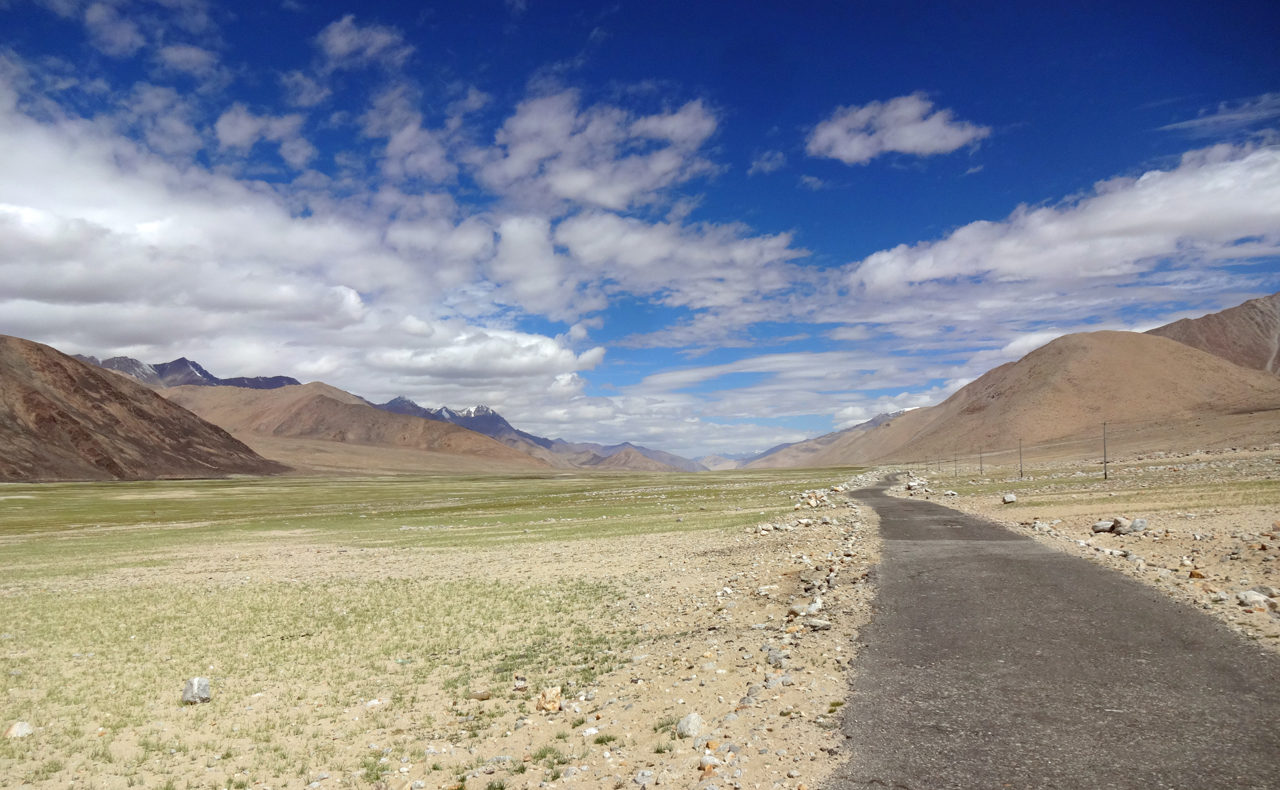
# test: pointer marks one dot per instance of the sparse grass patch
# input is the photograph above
(325, 613)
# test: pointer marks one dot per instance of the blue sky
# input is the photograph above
(704, 227)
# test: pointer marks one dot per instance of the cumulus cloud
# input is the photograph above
(239, 128)
(552, 150)
(302, 90)
(1215, 198)
(165, 119)
(347, 44)
(700, 267)
(464, 353)
(908, 124)
(412, 150)
(112, 34)
(188, 58)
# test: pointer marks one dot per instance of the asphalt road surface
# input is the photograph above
(995, 662)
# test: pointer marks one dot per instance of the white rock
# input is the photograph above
(1253, 598)
(1009, 499)
(196, 691)
(689, 727)
(19, 729)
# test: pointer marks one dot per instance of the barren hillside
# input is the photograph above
(62, 419)
(1248, 335)
(1156, 387)
(630, 458)
(316, 426)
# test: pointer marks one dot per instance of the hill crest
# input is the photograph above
(63, 419)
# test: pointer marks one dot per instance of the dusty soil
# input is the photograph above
(1213, 524)
(710, 633)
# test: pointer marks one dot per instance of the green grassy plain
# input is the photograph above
(327, 612)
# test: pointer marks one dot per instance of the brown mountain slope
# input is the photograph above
(319, 427)
(1067, 388)
(1248, 334)
(631, 459)
(61, 419)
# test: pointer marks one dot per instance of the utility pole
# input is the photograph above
(1104, 451)
(1019, 457)
(980, 450)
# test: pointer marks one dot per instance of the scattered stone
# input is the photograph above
(196, 691)
(1251, 598)
(548, 700)
(818, 624)
(1195, 574)
(480, 694)
(689, 727)
(19, 729)
(644, 778)
(1105, 525)
(1267, 590)
(1009, 499)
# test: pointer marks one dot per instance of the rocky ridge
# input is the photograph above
(62, 419)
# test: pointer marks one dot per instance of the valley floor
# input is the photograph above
(563, 631)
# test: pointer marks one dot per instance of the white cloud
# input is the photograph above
(703, 266)
(767, 162)
(411, 151)
(850, 333)
(167, 120)
(110, 33)
(551, 151)
(188, 58)
(1126, 227)
(1229, 116)
(302, 90)
(347, 44)
(240, 129)
(908, 124)
(464, 354)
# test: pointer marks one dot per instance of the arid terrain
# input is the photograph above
(450, 632)
(1212, 522)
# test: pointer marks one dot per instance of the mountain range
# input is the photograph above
(61, 419)
(183, 371)
(556, 452)
(483, 420)
(1207, 381)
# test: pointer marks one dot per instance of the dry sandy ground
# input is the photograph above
(1214, 525)
(715, 638)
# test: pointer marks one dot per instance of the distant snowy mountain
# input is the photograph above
(184, 371)
(485, 420)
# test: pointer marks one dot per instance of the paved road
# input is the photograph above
(995, 662)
